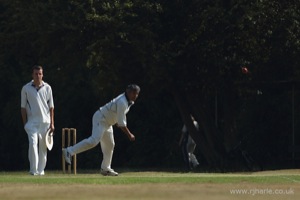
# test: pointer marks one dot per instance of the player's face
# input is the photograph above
(132, 95)
(37, 75)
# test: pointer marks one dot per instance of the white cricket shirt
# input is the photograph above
(115, 111)
(37, 102)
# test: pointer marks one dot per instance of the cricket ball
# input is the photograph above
(245, 70)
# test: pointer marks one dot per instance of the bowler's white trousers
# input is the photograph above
(37, 151)
(103, 133)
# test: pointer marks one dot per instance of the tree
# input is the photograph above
(184, 55)
(205, 45)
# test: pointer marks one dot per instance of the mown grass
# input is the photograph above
(55, 177)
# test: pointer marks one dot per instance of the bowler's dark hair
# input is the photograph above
(133, 87)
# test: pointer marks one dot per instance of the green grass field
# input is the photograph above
(280, 184)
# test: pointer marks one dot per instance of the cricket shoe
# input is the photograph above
(33, 174)
(110, 172)
(67, 156)
(41, 173)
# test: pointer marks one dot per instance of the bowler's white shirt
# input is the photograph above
(37, 102)
(115, 111)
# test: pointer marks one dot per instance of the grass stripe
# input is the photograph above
(54, 177)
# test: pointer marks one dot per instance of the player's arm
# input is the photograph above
(125, 130)
(24, 115)
(23, 106)
(52, 119)
(122, 122)
(51, 109)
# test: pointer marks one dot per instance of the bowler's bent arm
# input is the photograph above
(127, 132)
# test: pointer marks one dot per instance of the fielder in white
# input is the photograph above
(188, 146)
(113, 113)
(37, 110)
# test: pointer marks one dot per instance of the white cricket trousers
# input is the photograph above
(37, 151)
(103, 133)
